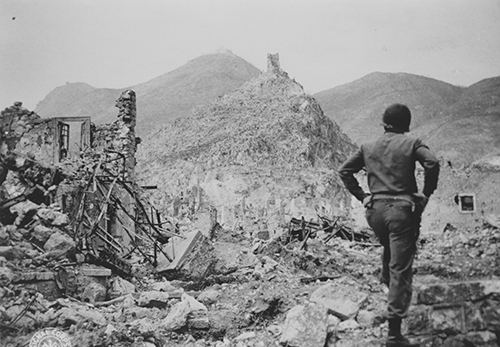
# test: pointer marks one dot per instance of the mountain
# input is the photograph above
(470, 128)
(169, 96)
(461, 123)
(261, 154)
(358, 106)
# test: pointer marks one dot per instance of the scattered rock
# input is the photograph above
(12, 252)
(274, 329)
(482, 338)
(68, 316)
(50, 217)
(305, 326)
(164, 286)
(94, 292)
(4, 237)
(154, 298)
(266, 265)
(110, 330)
(136, 312)
(245, 336)
(208, 296)
(349, 324)
(339, 299)
(366, 318)
(144, 326)
(197, 317)
(59, 242)
(6, 276)
(119, 287)
(25, 210)
(333, 322)
(177, 316)
(41, 233)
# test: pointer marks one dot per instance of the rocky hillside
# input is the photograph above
(259, 155)
(357, 106)
(461, 124)
(169, 96)
(470, 128)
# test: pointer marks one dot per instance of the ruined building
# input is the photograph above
(87, 170)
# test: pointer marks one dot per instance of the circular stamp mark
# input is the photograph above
(50, 337)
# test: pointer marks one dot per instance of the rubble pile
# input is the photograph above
(269, 290)
(461, 254)
(259, 155)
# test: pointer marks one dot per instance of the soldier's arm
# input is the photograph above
(431, 167)
(346, 172)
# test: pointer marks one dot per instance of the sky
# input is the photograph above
(118, 43)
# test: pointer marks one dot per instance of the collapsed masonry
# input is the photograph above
(69, 186)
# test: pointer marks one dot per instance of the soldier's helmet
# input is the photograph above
(397, 117)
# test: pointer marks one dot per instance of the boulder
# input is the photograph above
(188, 311)
(208, 296)
(25, 211)
(154, 298)
(59, 242)
(177, 316)
(120, 286)
(144, 326)
(349, 324)
(72, 315)
(6, 276)
(482, 338)
(51, 217)
(12, 252)
(41, 233)
(194, 258)
(4, 237)
(197, 317)
(305, 326)
(340, 300)
(366, 318)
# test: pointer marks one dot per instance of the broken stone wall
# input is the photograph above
(119, 144)
(25, 133)
(458, 314)
(273, 63)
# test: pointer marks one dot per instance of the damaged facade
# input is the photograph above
(83, 175)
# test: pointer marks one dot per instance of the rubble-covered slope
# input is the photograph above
(166, 97)
(258, 155)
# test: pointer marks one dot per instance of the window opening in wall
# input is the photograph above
(63, 140)
(74, 136)
(467, 203)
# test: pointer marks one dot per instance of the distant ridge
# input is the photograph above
(461, 123)
(159, 100)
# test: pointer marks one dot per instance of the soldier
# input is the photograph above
(394, 206)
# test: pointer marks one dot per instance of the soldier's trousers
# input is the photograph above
(397, 228)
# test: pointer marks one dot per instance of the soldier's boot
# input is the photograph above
(395, 338)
